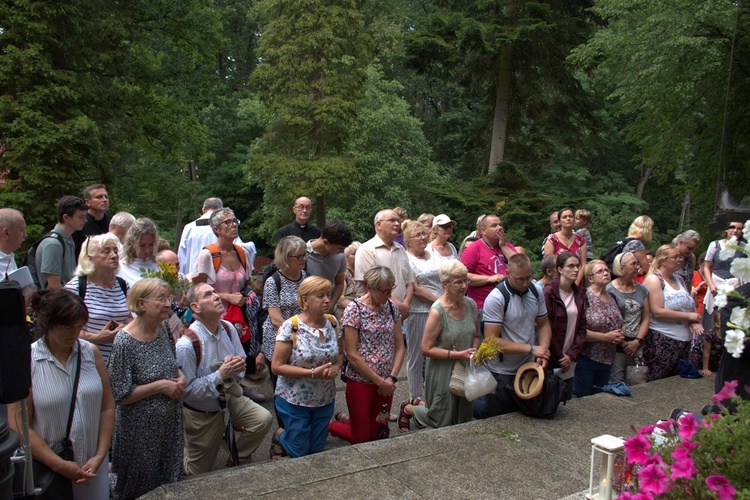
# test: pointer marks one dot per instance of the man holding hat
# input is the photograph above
(207, 343)
(510, 312)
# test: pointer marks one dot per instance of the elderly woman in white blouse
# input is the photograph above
(427, 289)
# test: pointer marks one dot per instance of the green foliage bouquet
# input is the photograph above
(692, 458)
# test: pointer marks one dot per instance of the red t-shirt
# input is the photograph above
(485, 261)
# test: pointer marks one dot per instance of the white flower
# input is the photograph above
(747, 248)
(740, 268)
(729, 249)
(734, 342)
(720, 301)
(746, 230)
(740, 318)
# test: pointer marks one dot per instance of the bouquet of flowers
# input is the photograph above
(692, 458)
(167, 272)
(739, 321)
(487, 350)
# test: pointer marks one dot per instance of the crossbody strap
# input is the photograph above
(75, 393)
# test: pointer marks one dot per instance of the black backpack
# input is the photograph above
(29, 260)
(15, 344)
(609, 254)
(83, 285)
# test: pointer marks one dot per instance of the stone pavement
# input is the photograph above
(511, 456)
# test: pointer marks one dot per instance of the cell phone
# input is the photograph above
(113, 325)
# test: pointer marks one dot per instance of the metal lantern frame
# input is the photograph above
(604, 451)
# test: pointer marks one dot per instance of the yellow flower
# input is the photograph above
(487, 350)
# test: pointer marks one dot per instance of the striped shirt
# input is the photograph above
(52, 386)
(104, 304)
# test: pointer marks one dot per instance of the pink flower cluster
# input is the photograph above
(655, 476)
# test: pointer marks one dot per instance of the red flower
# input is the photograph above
(729, 391)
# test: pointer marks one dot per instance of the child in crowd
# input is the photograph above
(582, 220)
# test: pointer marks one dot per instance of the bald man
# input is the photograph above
(302, 209)
(12, 234)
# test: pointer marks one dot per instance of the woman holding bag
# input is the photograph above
(375, 351)
(450, 337)
(632, 298)
(59, 361)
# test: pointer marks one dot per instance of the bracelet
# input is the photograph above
(532, 348)
(393, 378)
(312, 372)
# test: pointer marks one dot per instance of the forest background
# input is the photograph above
(623, 107)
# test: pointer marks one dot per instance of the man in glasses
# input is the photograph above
(382, 250)
(55, 257)
(300, 226)
(510, 311)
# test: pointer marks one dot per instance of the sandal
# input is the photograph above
(416, 401)
(340, 416)
(276, 451)
(403, 418)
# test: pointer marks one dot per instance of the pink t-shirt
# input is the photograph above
(559, 247)
(485, 261)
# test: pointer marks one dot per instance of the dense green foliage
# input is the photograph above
(617, 106)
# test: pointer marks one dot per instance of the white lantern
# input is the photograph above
(604, 450)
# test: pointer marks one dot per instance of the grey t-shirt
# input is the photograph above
(517, 323)
(631, 306)
(50, 259)
(325, 266)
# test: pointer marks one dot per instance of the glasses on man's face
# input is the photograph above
(391, 220)
(300, 256)
(231, 222)
(520, 279)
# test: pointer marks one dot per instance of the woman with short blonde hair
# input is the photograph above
(139, 250)
(103, 292)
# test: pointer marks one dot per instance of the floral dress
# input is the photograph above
(313, 347)
(147, 442)
(559, 247)
(376, 343)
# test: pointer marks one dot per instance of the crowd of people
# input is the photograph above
(163, 362)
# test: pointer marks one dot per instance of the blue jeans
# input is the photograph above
(306, 428)
(590, 376)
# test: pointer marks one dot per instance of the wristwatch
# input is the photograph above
(393, 378)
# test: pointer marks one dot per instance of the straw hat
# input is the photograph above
(255, 379)
(529, 380)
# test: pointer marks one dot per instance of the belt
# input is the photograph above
(199, 411)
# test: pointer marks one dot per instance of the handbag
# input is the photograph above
(50, 484)
(458, 379)
(636, 374)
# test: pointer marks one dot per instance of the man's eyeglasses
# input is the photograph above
(391, 220)
(231, 222)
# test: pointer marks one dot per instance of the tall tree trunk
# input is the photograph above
(320, 210)
(646, 171)
(502, 103)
